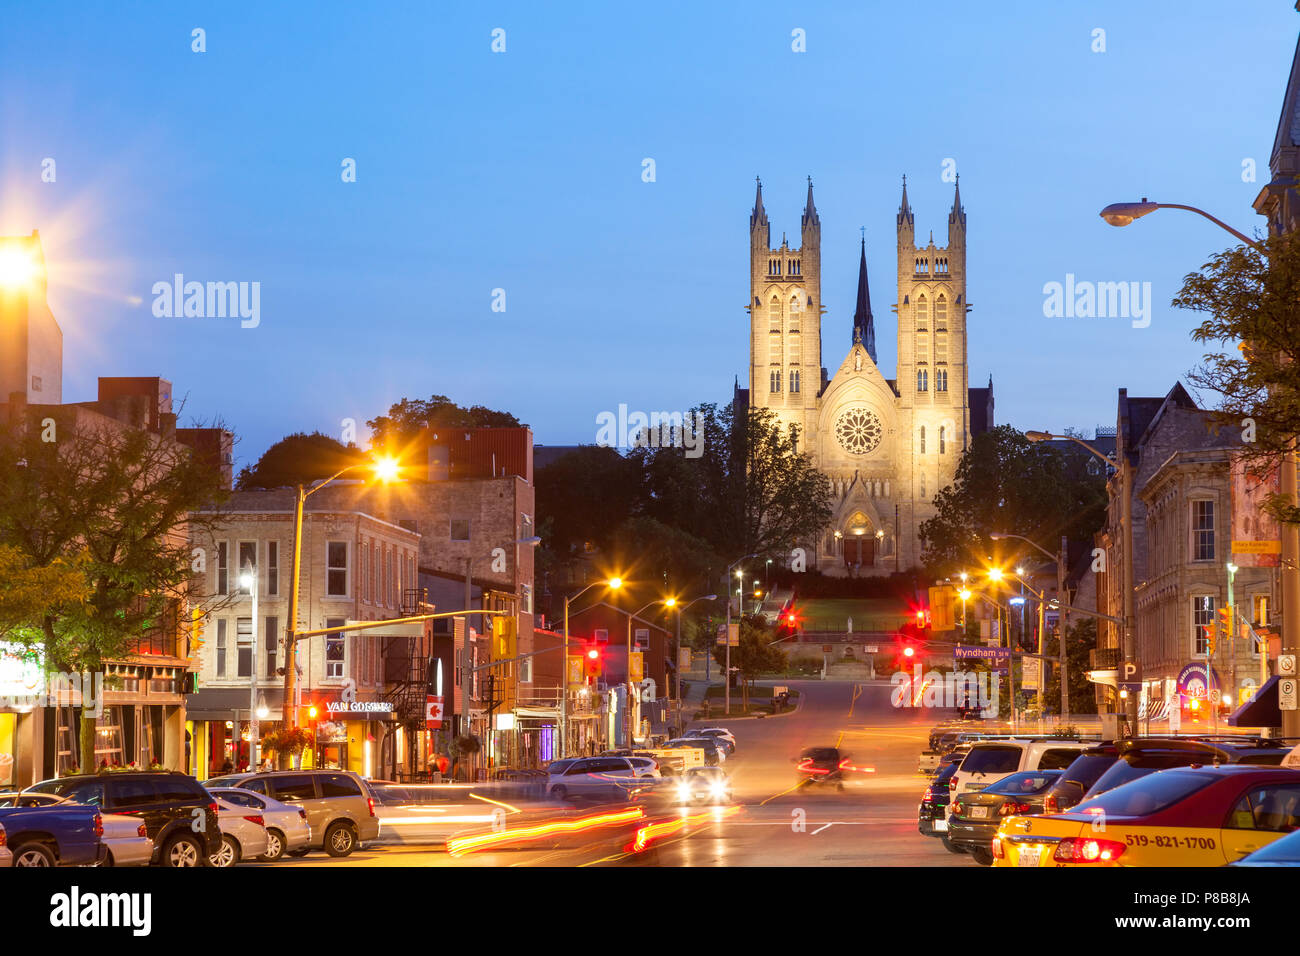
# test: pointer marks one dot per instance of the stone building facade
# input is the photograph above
(888, 445)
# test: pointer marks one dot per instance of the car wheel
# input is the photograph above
(227, 854)
(950, 846)
(559, 793)
(274, 846)
(33, 854)
(108, 859)
(183, 851)
(983, 855)
(340, 839)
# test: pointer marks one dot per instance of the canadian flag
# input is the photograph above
(433, 712)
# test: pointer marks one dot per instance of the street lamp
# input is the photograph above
(627, 716)
(249, 579)
(386, 469)
(613, 584)
(1121, 464)
(1121, 214)
(1060, 559)
(677, 670)
(727, 682)
(17, 268)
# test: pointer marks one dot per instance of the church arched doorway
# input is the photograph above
(859, 542)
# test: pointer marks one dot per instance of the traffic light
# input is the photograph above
(1225, 626)
(592, 664)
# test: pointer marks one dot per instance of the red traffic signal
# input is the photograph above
(592, 665)
(909, 651)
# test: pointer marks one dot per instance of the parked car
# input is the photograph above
(1283, 852)
(6, 857)
(66, 834)
(931, 819)
(126, 838)
(1076, 779)
(976, 815)
(180, 817)
(287, 828)
(593, 777)
(713, 753)
(721, 734)
(340, 808)
(1139, 756)
(243, 834)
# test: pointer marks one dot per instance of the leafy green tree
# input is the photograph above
(28, 593)
(1249, 299)
(408, 418)
(1080, 639)
(298, 459)
(1006, 484)
(114, 502)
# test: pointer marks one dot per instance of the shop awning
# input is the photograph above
(1261, 710)
(220, 703)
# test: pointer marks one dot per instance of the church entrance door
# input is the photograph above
(860, 550)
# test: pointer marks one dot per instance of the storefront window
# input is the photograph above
(8, 749)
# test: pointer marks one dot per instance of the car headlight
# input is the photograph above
(683, 791)
(718, 789)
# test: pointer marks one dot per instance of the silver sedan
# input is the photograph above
(286, 826)
(126, 838)
(243, 834)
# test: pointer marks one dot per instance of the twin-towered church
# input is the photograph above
(888, 445)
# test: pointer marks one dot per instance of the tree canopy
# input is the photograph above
(1006, 484)
(298, 459)
(1249, 297)
(409, 417)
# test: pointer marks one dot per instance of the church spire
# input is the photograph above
(864, 326)
(904, 210)
(810, 220)
(958, 215)
(759, 230)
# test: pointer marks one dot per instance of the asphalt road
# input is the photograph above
(776, 822)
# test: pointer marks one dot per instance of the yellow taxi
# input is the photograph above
(1188, 816)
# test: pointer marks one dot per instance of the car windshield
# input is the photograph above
(821, 754)
(1134, 766)
(991, 759)
(1024, 783)
(1088, 768)
(1151, 794)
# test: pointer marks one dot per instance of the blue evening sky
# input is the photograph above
(522, 171)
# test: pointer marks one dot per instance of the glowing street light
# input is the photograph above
(16, 268)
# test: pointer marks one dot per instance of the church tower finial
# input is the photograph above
(905, 211)
(810, 218)
(957, 217)
(864, 326)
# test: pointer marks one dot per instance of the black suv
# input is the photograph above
(1138, 756)
(179, 815)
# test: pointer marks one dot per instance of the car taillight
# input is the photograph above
(928, 795)
(257, 819)
(214, 809)
(952, 784)
(1010, 809)
(997, 848)
(4, 837)
(142, 831)
(1051, 804)
(99, 825)
(1087, 850)
(370, 804)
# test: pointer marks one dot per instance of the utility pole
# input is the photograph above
(1062, 620)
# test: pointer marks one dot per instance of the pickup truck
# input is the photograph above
(54, 836)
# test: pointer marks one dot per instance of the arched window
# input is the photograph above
(940, 346)
(922, 439)
(941, 380)
(794, 381)
(774, 326)
(943, 447)
(922, 380)
(922, 313)
(923, 484)
(941, 313)
(774, 381)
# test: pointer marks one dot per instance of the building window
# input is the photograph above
(796, 350)
(794, 381)
(272, 568)
(223, 567)
(922, 380)
(221, 647)
(459, 529)
(374, 572)
(336, 568)
(365, 573)
(247, 564)
(922, 485)
(922, 439)
(335, 650)
(271, 637)
(943, 445)
(244, 647)
(774, 381)
(526, 671)
(1202, 621)
(922, 313)
(526, 599)
(940, 345)
(1203, 530)
(941, 380)
(525, 526)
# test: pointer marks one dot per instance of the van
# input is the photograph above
(340, 808)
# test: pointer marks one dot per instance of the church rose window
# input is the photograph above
(858, 431)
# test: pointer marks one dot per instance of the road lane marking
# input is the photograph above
(797, 785)
(857, 692)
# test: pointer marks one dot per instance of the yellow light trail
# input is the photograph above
(462, 845)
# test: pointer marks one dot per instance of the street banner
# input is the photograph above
(636, 667)
(575, 676)
(1030, 670)
(432, 712)
(1256, 535)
